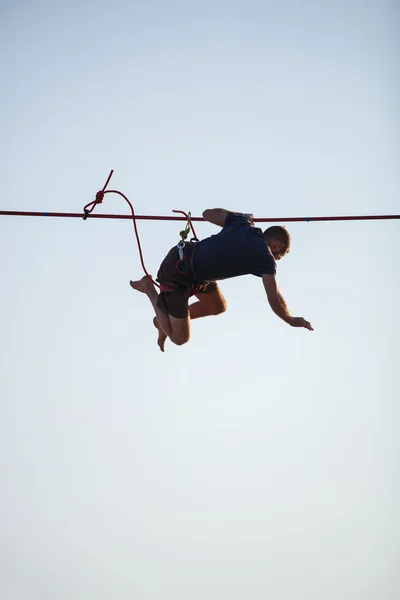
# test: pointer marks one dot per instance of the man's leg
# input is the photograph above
(209, 303)
(178, 330)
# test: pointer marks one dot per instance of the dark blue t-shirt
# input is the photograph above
(238, 249)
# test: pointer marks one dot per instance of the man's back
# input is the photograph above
(238, 249)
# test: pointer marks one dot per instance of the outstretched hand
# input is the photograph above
(300, 322)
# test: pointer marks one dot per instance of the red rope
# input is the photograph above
(27, 213)
(89, 208)
(136, 233)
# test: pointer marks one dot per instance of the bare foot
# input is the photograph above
(143, 285)
(161, 335)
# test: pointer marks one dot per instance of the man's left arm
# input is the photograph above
(217, 216)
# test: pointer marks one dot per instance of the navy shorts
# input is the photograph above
(172, 274)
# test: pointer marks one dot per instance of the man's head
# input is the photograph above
(278, 240)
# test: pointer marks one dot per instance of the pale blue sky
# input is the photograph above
(258, 461)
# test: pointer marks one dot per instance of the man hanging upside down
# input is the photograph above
(238, 249)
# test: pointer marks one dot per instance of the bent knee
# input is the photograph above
(180, 333)
(180, 340)
(220, 306)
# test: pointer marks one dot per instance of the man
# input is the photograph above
(238, 249)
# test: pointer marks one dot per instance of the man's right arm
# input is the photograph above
(275, 298)
(278, 304)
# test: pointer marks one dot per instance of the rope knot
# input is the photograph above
(89, 208)
(99, 197)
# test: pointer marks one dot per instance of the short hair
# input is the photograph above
(277, 233)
